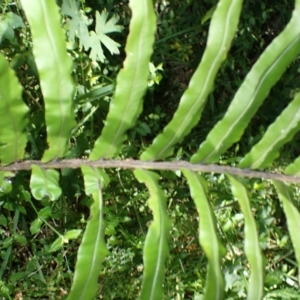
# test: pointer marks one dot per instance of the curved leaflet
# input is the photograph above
(44, 183)
(223, 25)
(13, 113)
(156, 244)
(208, 237)
(251, 247)
(292, 216)
(278, 134)
(132, 81)
(255, 88)
(54, 67)
(92, 250)
(293, 168)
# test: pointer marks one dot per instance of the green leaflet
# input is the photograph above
(13, 113)
(208, 237)
(293, 168)
(156, 244)
(278, 133)
(292, 216)
(251, 247)
(255, 88)
(6, 182)
(92, 250)
(54, 67)
(44, 183)
(223, 26)
(132, 81)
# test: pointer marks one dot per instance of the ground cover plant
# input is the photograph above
(78, 225)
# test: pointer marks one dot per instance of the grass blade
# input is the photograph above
(54, 67)
(92, 250)
(132, 81)
(252, 248)
(156, 245)
(292, 216)
(13, 113)
(224, 23)
(264, 74)
(208, 237)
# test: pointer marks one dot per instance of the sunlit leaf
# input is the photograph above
(223, 25)
(13, 113)
(255, 88)
(132, 81)
(252, 247)
(103, 27)
(92, 250)
(54, 66)
(292, 217)
(44, 184)
(208, 236)
(156, 245)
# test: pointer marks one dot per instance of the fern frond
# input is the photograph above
(293, 168)
(292, 216)
(264, 74)
(208, 236)
(156, 245)
(277, 134)
(221, 32)
(13, 113)
(132, 81)
(92, 250)
(54, 67)
(252, 248)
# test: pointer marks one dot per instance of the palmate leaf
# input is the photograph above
(77, 24)
(264, 74)
(292, 216)
(279, 133)
(13, 113)
(223, 25)
(132, 81)
(92, 250)
(54, 67)
(208, 237)
(252, 248)
(156, 244)
(100, 36)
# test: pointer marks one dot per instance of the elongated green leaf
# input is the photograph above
(132, 81)
(252, 248)
(44, 183)
(92, 250)
(279, 133)
(255, 88)
(156, 244)
(293, 168)
(208, 237)
(223, 25)
(292, 216)
(54, 67)
(13, 113)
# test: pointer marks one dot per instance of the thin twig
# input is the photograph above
(137, 164)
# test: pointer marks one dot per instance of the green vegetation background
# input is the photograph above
(29, 270)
